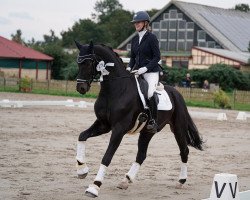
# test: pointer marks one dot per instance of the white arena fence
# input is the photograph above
(69, 103)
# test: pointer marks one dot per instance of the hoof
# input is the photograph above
(92, 191)
(82, 171)
(89, 194)
(123, 185)
(82, 176)
(180, 184)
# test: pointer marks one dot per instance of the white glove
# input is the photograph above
(141, 70)
(128, 69)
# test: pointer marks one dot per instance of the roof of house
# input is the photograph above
(230, 28)
(241, 57)
(11, 49)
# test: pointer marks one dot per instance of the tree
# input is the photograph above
(84, 31)
(152, 12)
(117, 26)
(242, 7)
(106, 7)
(17, 37)
(52, 38)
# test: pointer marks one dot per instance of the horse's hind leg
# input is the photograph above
(180, 136)
(143, 143)
(96, 129)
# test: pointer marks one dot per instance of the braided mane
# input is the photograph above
(113, 53)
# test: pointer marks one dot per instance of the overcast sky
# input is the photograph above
(36, 18)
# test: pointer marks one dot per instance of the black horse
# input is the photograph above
(117, 109)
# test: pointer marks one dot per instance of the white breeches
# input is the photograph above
(152, 78)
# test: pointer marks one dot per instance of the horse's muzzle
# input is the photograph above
(82, 87)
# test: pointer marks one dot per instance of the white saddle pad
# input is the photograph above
(164, 100)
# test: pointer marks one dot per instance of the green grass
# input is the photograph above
(206, 104)
(203, 104)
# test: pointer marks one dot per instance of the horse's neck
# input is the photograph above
(108, 56)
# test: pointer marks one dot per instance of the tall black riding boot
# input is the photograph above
(152, 124)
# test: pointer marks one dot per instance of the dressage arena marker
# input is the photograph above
(208, 115)
(226, 187)
(69, 103)
(243, 116)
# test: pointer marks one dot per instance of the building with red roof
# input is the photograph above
(19, 61)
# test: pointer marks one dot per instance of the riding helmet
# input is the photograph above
(140, 17)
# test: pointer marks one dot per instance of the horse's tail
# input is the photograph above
(193, 137)
(192, 134)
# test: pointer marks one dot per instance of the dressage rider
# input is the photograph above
(145, 55)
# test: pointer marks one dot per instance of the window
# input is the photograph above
(166, 16)
(173, 24)
(202, 44)
(172, 45)
(173, 14)
(210, 44)
(180, 63)
(201, 35)
(181, 46)
(190, 25)
(190, 35)
(181, 35)
(181, 24)
(164, 35)
(172, 35)
(157, 34)
(128, 47)
(189, 45)
(163, 45)
(164, 24)
(180, 16)
(156, 25)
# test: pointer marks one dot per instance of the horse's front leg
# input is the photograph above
(143, 143)
(115, 140)
(96, 129)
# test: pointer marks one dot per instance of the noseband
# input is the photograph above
(81, 59)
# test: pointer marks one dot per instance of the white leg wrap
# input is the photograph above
(183, 173)
(80, 152)
(133, 171)
(101, 173)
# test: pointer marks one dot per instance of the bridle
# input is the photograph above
(94, 61)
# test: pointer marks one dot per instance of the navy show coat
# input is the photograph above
(145, 54)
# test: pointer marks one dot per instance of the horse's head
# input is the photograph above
(86, 62)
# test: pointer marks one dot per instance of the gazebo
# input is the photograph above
(19, 61)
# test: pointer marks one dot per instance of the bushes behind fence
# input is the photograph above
(227, 77)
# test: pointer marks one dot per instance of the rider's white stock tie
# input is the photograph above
(101, 67)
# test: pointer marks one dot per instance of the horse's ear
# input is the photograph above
(78, 45)
(91, 46)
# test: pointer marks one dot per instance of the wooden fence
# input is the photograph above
(192, 94)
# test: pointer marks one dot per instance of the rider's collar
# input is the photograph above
(141, 34)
